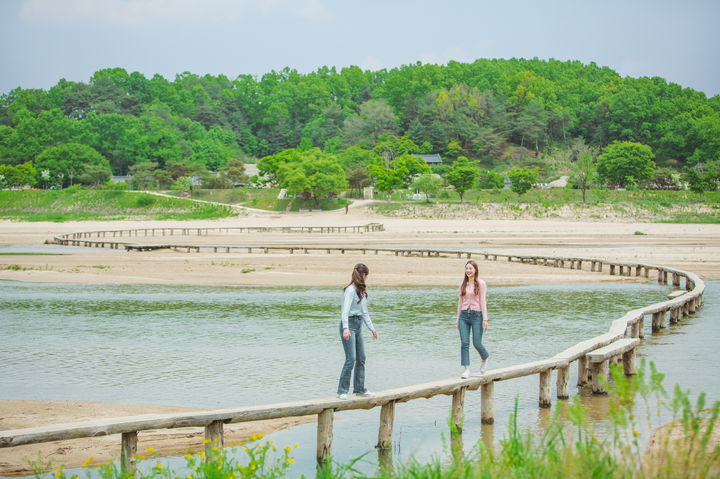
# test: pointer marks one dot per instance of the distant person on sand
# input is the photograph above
(472, 317)
(354, 313)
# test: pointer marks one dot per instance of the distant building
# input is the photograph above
(433, 159)
(120, 179)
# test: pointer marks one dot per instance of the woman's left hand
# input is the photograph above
(375, 334)
(485, 324)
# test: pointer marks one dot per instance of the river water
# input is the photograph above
(217, 347)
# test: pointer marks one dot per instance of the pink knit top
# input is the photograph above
(476, 302)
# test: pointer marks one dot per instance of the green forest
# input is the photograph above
(329, 130)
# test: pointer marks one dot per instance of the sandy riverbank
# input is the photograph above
(691, 247)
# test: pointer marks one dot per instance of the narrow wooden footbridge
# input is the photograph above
(591, 357)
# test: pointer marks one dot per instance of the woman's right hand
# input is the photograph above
(346, 333)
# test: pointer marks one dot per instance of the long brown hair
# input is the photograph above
(475, 279)
(358, 280)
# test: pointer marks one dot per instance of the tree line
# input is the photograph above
(161, 130)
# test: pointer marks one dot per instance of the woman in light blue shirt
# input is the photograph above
(354, 313)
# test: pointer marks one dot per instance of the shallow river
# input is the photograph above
(230, 347)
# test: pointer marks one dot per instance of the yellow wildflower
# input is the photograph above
(287, 448)
(635, 432)
(215, 448)
(259, 436)
(58, 474)
(141, 456)
(215, 439)
(290, 460)
(159, 465)
(295, 446)
(150, 450)
(206, 441)
(188, 456)
(189, 476)
(253, 466)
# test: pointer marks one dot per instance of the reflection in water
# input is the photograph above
(231, 347)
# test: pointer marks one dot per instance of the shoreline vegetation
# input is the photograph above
(74, 204)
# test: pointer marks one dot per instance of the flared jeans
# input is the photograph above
(354, 358)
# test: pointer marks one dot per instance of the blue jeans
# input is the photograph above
(471, 320)
(354, 357)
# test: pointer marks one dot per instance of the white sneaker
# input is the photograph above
(342, 396)
(465, 374)
(366, 394)
(484, 366)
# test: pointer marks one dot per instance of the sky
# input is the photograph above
(42, 41)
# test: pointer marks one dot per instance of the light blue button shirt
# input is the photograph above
(351, 307)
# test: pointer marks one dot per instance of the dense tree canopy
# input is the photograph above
(476, 110)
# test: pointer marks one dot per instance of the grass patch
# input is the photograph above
(601, 204)
(74, 204)
(32, 254)
(296, 204)
(17, 267)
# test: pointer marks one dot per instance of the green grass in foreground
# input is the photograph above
(569, 447)
(74, 204)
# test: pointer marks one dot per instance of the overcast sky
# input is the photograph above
(42, 41)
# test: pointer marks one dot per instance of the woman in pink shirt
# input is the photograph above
(472, 316)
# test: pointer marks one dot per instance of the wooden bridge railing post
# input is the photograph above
(324, 436)
(127, 455)
(486, 403)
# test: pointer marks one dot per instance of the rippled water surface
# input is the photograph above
(231, 347)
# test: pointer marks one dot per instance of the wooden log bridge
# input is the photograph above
(623, 338)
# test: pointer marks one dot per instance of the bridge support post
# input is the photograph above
(324, 436)
(128, 451)
(458, 405)
(486, 403)
(563, 380)
(544, 399)
(387, 417)
(657, 321)
(582, 371)
(214, 438)
(629, 360)
(599, 368)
